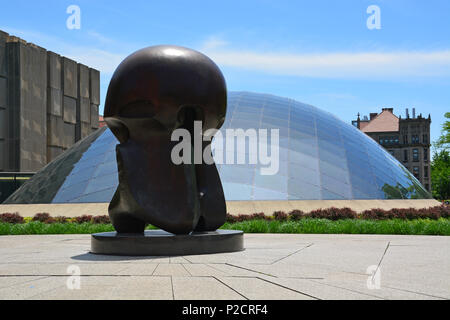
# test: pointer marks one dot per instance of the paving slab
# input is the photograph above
(262, 289)
(171, 269)
(273, 266)
(203, 288)
(100, 288)
(321, 290)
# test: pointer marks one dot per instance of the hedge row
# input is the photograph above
(15, 218)
(334, 214)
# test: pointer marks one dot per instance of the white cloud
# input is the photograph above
(214, 42)
(99, 37)
(105, 61)
(362, 65)
(340, 65)
(102, 60)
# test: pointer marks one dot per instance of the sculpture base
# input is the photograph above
(162, 243)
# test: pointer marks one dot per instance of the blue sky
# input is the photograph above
(318, 52)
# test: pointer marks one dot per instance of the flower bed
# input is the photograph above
(334, 214)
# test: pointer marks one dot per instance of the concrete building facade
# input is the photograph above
(47, 103)
(407, 139)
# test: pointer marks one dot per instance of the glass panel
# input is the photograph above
(281, 123)
(106, 168)
(237, 191)
(304, 174)
(364, 184)
(93, 197)
(303, 160)
(336, 186)
(266, 194)
(80, 176)
(275, 182)
(71, 192)
(238, 174)
(332, 158)
(304, 146)
(245, 116)
(101, 183)
(303, 191)
(329, 195)
(336, 172)
(297, 134)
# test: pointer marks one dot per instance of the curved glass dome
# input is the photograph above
(320, 158)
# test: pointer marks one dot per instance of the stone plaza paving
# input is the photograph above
(273, 266)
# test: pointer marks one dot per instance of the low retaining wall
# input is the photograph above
(234, 207)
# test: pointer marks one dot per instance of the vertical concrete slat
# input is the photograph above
(70, 77)
(55, 122)
(3, 101)
(70, 110)
(55, 132)
(94, 116)
(3, 64)
(94, 86)
(14, 88)
(83, 81)
(83, 103)
(54, 70)
(33, 109)
(69, 135)
(3, 108)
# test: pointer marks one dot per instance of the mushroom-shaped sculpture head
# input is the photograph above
(160, 82)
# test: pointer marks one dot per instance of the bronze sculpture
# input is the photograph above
(153, 92)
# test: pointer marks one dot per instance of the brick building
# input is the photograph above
(47, 103)
(407, 139)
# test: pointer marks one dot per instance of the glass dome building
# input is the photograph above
(320, 158)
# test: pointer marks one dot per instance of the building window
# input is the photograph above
(425, 171)
(425, 138)
(427, 186)
(425, 154)
(415, 154)
(405, 139)
(415, 138)
(416, 172)
(405, 155)
(389, 140)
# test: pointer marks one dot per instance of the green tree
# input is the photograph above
(444, 140)
(440, 166)
(440, 175)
